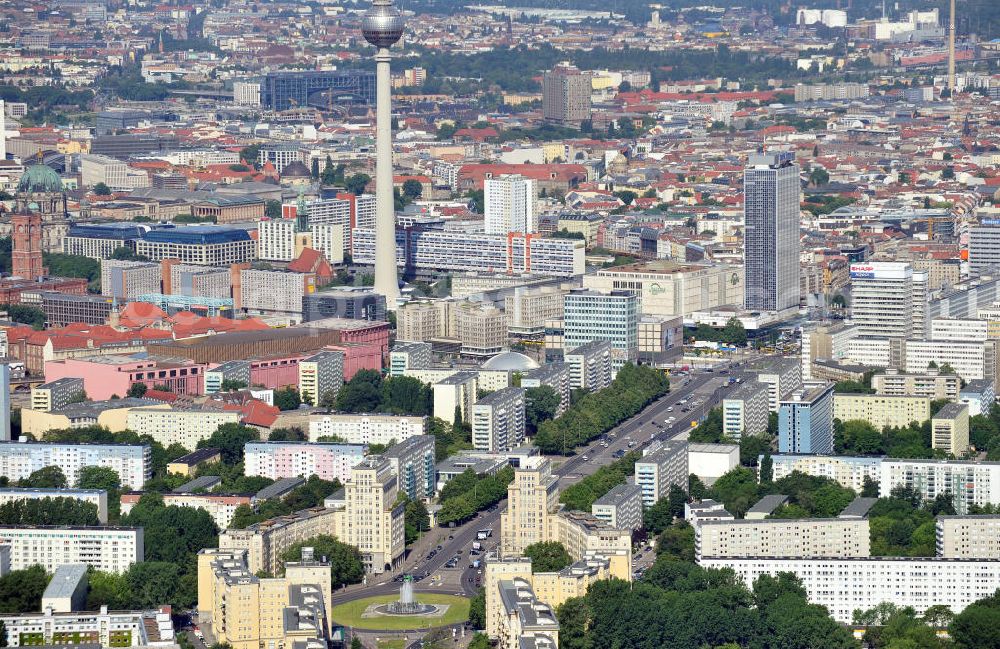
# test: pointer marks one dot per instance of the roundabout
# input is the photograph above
(372, 614)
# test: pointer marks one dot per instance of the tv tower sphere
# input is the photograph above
(383, 24)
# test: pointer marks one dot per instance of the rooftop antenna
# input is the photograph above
(951, 51)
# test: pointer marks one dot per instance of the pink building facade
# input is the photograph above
(276, 372)
(277, 460)
(359, 356)
(113, 375)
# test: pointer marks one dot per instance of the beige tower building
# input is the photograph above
(532, 498)
(369, 518)
(248, 612)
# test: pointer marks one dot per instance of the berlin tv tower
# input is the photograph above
(382, 27)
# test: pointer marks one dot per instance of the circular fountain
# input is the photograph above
(407, 603)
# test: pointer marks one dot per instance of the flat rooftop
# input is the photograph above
(655, 267)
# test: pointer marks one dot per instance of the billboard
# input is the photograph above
(887, 270)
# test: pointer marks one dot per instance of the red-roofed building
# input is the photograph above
(551, 177)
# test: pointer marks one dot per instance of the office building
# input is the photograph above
(849, 471)
(221, 507)
(984, 245)
(100, 240)
(127, 280)
(498, 421)
(950, 429)
(531, 498)
(321, 377)
(197, 281)
(204, 245)
(275, 292)
(776, 537)
(350, 304)
(64, 309)
(805, 420)
(365, 428)
(481, 327)
(888, 300)
(663, 464)
(179, 426)
(554, 375)
(412, 461)
(246, 93)
(130, 461)
(745, 410)
(970, 360)
(409, 356)
(286, 89)
(116, 174)
(422, 320)
(101, 628)
(584, 536)
(370, 519)
(266, 541)
(426, 249)
(621, 508)
(590, 365)
(510, 205)
(249, 612)
(881, 410)
(666, 287)
(566, 95)
(591, 315)
(96, 497)
(278, 460)
(57, 394)
(529, 308)
(108, 549)
(959, 329)
(771, 236)
(825, 342)
(931, 384)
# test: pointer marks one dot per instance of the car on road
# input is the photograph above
(670, 409)
(585, 458)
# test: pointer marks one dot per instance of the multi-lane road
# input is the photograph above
(701, 391)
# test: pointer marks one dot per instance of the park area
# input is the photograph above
(352, 614)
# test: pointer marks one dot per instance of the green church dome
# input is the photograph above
(40, 178)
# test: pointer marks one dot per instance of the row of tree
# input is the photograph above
(368, 392)
(469, 493)
(581, 496)
(594, 414)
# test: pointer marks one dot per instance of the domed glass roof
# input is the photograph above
(510, 361)
(40, 178)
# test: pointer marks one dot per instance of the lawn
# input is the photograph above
(391, 644)
(349, 614)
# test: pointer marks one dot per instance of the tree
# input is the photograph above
(99, 477)
(948, 173)
(101, 189)
(230, 385)
(49, 511)
(345, 560)
(286, 435)
(574, 616)
(767, 469)
(21, 590)
(251, 155)
(406, 395)
(540, 404)
(287, 398)
(477, 610)
(357, 183)
(734, 332)
(230, 439)
(123, 253)
(272, 209)
(482, 641)
(314, 169)
(548, 556)
(137, 390)
(48, 477)
(412, 189)
(363, 393)
(978, 625)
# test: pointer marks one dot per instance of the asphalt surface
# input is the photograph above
(701, 389)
